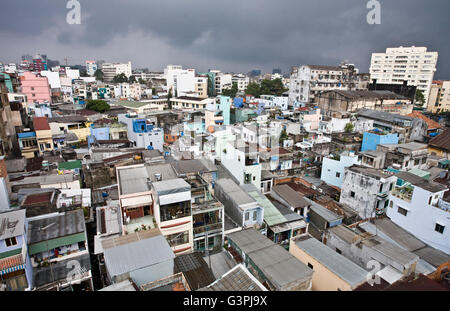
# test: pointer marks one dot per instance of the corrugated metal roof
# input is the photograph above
(51, 244)
(234, 191)
(133, 256)
(336, 263)
(12, 223)
(170, 186)
(292, 197)
(274, 261)
(66, 224)
(237, 279)
(272, 215)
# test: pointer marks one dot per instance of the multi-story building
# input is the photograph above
(242, 160)
(333, 168)
(439, 99)
(366, 190)
(309, 80)
(222, 81)
(43, 134)
(40, 63)
(353, 101)
(15, 267)
(201, 86)
(91, 67)
(405, 156)
(35, 87)
(413, 64)
(190, 103)
(112, 69)
(418, 206)
(59, 252)
(241, 80)
(243, 209)
(142, 132)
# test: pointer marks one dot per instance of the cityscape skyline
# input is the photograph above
(244, 37)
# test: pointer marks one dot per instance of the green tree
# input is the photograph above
(283, 136)
(253, 89)
(419, 98)
(132, 79)
(97, 105)
(120, 78)
(98, 75)
(349, 128)
(141, 81)
(231, 92)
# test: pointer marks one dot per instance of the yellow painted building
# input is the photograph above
(332, 271)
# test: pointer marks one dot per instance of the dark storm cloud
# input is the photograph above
(235, 34)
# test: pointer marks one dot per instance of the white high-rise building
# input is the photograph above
(178, 80)
(412, 64)
(241, 81)
(112, 69)
(91, 67)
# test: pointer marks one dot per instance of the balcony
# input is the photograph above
(404, 193)
(443, 205)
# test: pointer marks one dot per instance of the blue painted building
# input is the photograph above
(333, 169)
(377, 137)
(225, 105)
(15, 266)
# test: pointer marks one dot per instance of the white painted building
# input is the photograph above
(333, 169)
(242, 161)
(366, 190)
(309, 80)
(417, 205)
(413, 64)
(112, 69)
(91, 67)
(242, 82)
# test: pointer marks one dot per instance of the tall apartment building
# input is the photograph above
(201, 86)
(412, 64)
(221, 81)
(91, 67)
(439, 99)
(179, 81)
(112, 69)
(307, 81)
(241, 81)
(40, 62)
(35, 87)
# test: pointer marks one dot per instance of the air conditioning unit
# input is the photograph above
(314, 187)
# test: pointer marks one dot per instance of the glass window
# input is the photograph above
(439, 228)
(11, 241)
(178, 238)
(247, 216)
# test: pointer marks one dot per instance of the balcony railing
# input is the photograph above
(210, 227)
(403, 193)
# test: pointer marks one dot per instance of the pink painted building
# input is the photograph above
(314, 117)
(35, 87)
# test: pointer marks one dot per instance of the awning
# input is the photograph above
(136, 201)
(12, 269)
(298, 224)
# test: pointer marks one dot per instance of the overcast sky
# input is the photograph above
(230, 35)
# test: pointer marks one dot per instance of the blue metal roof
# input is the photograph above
(26, 135)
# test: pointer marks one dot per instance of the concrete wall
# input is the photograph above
(323, 279)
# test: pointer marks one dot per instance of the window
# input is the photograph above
(338, 251)
(352, 194)
(255, 216)
(381, 188)
(429, 200)
(338, 174)
(390, 187)
(11, 242)
(439, 228)
(247, 216)
(310, 265)
(402, 211)
(178, 238)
